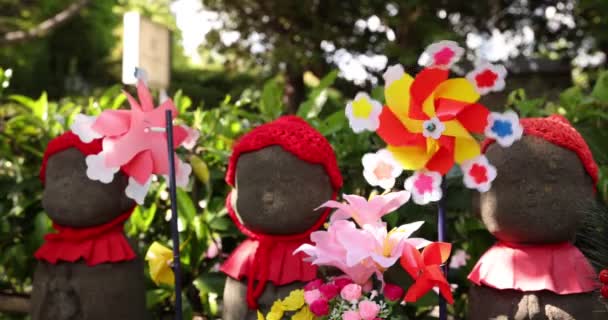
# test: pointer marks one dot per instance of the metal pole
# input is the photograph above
(174, 231)
(441, 231)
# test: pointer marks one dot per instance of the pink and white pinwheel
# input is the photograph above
(130, 141)
(365, 212)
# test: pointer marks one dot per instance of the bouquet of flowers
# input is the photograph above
(358, 243)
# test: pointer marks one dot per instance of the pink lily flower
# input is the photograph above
(365, 212)
(360, 253)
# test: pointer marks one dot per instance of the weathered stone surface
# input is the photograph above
(75, 291)
(487, 303)
(540, 196)
(235, 295)
(72, 199)
(276, 193)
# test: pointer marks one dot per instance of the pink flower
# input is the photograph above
(342, 282)
(351, 315)
(364, 211)
(368, 286)
(329, 291)
(328, 251)
(360, 253)
(425, 186)
(393, 292)
(314, 284)
(320, 308)
(381, 169)
(442, 54)
(459, 259)
(311, 296)
(368, 310)
(351, 292)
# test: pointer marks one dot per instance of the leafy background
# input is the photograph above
(227, 98)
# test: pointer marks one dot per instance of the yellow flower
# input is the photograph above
(294, 301)
(260, 316)
(276, 311)
(159, 260)
(303, 314)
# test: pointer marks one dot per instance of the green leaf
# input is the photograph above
(272, 99)
(185, 206)
(600, 89)
(182, 102)
(571, 98)
(317, 97)
(210, 282)
(334, 123)
(220, 223)
(156, 296)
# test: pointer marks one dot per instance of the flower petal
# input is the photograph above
(113, 122)
(83, 128)
(137, 191)
(97, 169)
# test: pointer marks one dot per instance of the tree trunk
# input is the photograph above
(295, 91)
(14, 303)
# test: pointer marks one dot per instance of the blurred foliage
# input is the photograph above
(74, 57)
(207, 234)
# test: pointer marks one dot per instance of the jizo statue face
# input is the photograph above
(540, 195)
(72, 199)
(277, 193)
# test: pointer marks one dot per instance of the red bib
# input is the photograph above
(264, 257)
(95, 245)
(560, 268)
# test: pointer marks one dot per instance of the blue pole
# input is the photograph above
(174, 231)
(441, 231)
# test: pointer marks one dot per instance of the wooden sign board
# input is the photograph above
(147, 46)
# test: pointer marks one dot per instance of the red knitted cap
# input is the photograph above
(66, 141)
(558, 130)
(295, 136)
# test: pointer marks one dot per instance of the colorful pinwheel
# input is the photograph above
(428, 120)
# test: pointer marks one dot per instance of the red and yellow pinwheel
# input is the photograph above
(428, 120)
(425, 269)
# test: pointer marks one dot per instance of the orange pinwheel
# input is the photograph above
(425, 269)
(428, 120)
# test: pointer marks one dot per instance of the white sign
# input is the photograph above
(146, 45)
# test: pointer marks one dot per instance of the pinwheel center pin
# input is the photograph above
(433, 128)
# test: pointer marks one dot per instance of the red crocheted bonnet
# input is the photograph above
(557, 130)
(66, 141)
(295, 136)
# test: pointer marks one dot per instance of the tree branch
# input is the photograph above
(14, 303)
(45, 26)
